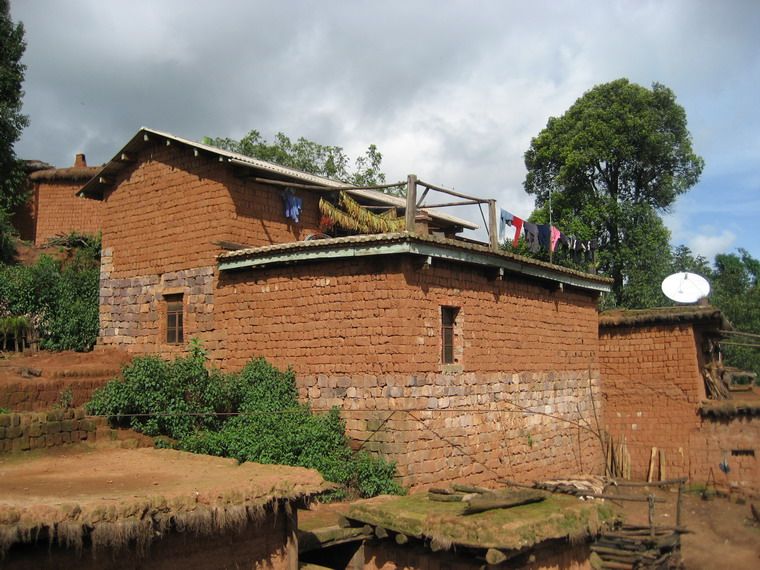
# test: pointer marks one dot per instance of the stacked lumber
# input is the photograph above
(479, 500)
(631, 547)
(582, 487)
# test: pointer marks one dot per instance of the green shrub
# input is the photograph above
(185, 401)
(59, 299)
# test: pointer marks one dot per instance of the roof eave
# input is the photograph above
(97, 184)
(407, 245)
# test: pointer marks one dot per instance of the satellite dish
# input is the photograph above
(685, 287)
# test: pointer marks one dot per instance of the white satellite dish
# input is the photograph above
(685, 287)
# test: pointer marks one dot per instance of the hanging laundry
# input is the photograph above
(509, 219)
(518, 224)
(555, 236)
(564, 240)
(531, 237)
(293, 205)
(591, 247)
(505, 219)
(544, 236)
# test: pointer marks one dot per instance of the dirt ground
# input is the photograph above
(92, 476)
(722, 533)
(47, 366)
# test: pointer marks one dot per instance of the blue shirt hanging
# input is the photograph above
(292, 204)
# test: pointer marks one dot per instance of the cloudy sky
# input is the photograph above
(450, 90)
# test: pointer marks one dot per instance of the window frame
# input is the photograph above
(449, 317)
(174, 305)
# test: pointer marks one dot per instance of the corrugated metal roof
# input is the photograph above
(273, 254)
(94, 187)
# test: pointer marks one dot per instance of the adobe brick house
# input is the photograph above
(454, 359)
(53, 207)
(657, 367)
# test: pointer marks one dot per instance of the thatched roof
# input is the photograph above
(117, 497)
(71, 174)
(704, 315)
(729, 408)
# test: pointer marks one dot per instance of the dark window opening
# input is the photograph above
(743, 452)
(175, 333)
(448, 321)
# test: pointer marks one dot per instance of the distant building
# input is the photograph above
(666, 403)
(53, 207)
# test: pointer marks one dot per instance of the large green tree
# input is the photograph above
(308, 156)
(616, 159)
(12, 123)
(736, 291)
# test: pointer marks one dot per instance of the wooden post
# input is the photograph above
(650, 500)
(493, 227)
(411, 202)
(679, 503)
(291, 535)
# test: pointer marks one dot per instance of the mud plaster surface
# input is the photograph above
(90, 484)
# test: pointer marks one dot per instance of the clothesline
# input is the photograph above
(544, 236)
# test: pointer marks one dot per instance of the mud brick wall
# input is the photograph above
(24, 219)
(365, 335)
(60, 211)
(22, 432)
(736, 441)
(652, 386)
(161, 223)
(32, 395)
(165, 214)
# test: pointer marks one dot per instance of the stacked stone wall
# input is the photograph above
(132, 309)
(60, 211)
(365, 335)
(26, 431)
(35, 395)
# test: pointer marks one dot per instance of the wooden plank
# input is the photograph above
(493, 227)
(411, 202)
(650, 474)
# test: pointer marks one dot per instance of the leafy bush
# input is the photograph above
(59, 299)
(252, 416)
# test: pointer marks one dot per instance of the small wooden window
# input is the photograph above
(743, 452)
(175, 330)
(448, 322)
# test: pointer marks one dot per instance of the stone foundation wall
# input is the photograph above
(26, 431)
(36, 395)
(444, 428)
(133, 310)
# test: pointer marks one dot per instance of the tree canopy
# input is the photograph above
(736, 291)
(617, 158)
(308, 156)
(12, 123)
